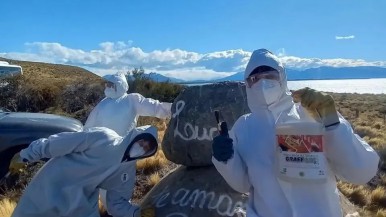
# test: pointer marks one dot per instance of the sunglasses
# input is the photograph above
(109, 84)
(271, 75)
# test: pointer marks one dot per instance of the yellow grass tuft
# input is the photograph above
(377, 143)
(378, 125)
(378, 198)
(359, 196)
(356, 194)
(367, 131)
(153, 163)
(382, 155)
(381, 213)
(102, 209)
(153, 179)
(382, 179)
(6, 207)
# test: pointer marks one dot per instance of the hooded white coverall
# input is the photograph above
(253, 167)
(81, 162)
(120, 112)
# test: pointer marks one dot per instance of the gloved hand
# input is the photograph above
(16, 164)
(222, 147)
(319, 105)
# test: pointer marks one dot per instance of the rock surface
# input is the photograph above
(195, 191)
(188, 139)
(201, 191)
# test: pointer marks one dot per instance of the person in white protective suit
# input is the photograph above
(81, 162)
(119, 111)
(247, 159)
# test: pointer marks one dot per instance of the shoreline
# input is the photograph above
(324, 79)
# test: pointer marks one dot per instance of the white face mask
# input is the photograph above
(111, 93)
(267, 90)
(136, 150)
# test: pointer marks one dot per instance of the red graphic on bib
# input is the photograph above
(300, 144)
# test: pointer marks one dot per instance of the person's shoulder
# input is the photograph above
(242, 120)
(104, 100)
(134, 96)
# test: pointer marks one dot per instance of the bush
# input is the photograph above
(363, 131)
(140, 83)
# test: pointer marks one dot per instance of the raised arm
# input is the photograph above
(151, 107)
(55, 145)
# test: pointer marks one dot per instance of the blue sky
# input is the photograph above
(210, 38)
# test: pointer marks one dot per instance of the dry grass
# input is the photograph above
(377, 199)
(381, 213)
(6, 207)
(366, 113)
(102, 209)
(154, 179)
(152, 163)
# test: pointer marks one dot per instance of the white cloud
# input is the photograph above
(281, 52)
(345, 37)
(111, 57)
(198, 73)
(303, 63)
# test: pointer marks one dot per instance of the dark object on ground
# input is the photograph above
(19, 129)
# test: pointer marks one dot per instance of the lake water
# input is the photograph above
(374, 86)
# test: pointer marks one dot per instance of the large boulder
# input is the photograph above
(188, 139)
(195, 191)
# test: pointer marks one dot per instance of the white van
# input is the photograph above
(9, 70)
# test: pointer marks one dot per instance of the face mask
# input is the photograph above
(110, 92)
(136, 150)
(267, 90)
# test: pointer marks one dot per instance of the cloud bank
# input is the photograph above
(111, 57)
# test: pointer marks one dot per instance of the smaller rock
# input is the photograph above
(195, 191)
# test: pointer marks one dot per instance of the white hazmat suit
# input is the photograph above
(119, 111)
(81, 162)
(253, 166)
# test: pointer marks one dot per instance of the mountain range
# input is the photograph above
(161, 78)
(320, 73)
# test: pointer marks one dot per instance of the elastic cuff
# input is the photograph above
(331, 125)
(24, 156)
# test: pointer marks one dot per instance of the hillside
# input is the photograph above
(51, 88)
(56, 73)
(161, 78)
